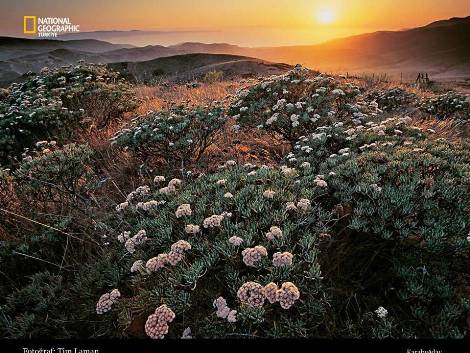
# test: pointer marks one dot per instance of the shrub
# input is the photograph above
(415, 198)
(52, 197)
(215, 267)
(446, 105)
(54, 103)
(291, 104)
(62, 175)
(391, 99)
(333, 144)
(178, 135)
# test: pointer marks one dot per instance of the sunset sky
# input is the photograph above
(243, 22)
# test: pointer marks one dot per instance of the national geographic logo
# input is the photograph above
(48, 26)
(30, 24)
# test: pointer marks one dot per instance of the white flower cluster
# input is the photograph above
(274, 232)
(251, 256)
(289, 172)
(183, 210)
(221, 182)
(143, 190)
(187, 334)
(251, 294)
(223, 311)
(171, 188)
(290, 206)
(228, 195)
(192, 229)
(213, 221)
(147, 206)
(338, 92)
(230, 163)
(156, 263)
(269, 194)
(181, 246)
(159, 179)
(131, 243)
(270, 292)
(156, 325)
(368, 146)
(236, 241)
(376, 188)
(287, 295)
(124, 236)
(254, 294)
(320, 182)
(381, 312)
(176, 254)
(302, 204)
(122, 206)
(137, 266)
(282, 259)
(294, 118)
(106, 301)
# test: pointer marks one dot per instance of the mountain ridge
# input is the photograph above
(439, 48)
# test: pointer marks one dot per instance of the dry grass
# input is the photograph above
(166, 96)
(450, 129)
(245, 146)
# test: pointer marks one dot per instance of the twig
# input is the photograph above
(36, 258)
(44, 225)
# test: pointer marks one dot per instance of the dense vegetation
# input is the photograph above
(360, 230)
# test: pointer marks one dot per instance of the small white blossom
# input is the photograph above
(381, 312)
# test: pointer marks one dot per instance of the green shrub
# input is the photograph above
(60, 175)
(214, 267)
(52, 196)
(54, 103)
(293, 103)
(177, 135)
(450, 104)
(416, 197)
(391, 99)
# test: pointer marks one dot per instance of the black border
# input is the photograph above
(286, 345)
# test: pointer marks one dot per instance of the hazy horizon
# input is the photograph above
(254, 23)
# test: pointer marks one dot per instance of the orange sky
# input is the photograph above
(246, 22)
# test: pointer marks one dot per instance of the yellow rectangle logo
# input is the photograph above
(27, 21)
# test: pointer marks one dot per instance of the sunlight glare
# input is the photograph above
(325, 16)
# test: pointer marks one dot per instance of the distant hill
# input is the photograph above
(440, 49)
(13, 68)
(11, 47)
(192, 66)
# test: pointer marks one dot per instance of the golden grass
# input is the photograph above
(164, 97)
(450, 129)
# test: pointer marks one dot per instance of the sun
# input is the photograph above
(325, 16)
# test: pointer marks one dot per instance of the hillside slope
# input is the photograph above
(191, 66)
(440, 49)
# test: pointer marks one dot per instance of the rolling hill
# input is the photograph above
(191, 66)
(440, 49)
